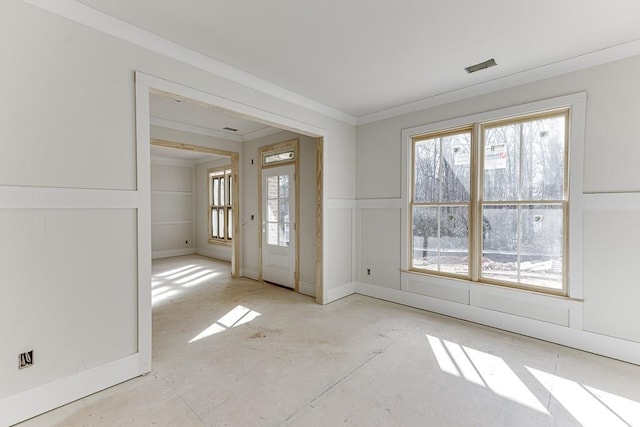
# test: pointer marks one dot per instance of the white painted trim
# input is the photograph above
(219, 252)
(577, 103)
(143, 170)
(616, 348)
(107, 24)
(170, 161)
(24, 405)
(307, 288)
(341, 203)
(260, 133)
(244, 110)
(173, 252)
(379, 203)
(591, 59)
(15, 197)
(340, 292)
(612, 201)
(184, 127)
(251, 273)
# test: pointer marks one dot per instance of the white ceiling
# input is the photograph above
(366, 56)
(172, 110)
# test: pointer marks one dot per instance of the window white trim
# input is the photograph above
(577, 110)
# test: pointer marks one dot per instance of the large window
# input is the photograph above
(489, 202)
(220, 205)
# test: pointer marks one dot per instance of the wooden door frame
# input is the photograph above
(274, 149)
(235, 157)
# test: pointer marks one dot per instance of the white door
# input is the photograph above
(278, 225)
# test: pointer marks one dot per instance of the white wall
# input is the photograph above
(202, 215)
(172, 207)
(307, 202)
(610, 232)
(69, 199)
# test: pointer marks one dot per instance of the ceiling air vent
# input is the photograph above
(481, 66)
(230, 129)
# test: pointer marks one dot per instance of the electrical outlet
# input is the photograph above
(25, 359)
(252, 217)
(186, 242)
(368, 272)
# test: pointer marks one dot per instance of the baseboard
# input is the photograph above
(341, 292)
(307, 288)
(29, 403)
(627, 351)
(172, 252)
(218, 252)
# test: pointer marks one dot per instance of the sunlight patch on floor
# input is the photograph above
(235, 317)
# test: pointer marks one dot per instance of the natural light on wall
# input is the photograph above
(588, 405)
(236, 317)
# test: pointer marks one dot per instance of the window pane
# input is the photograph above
(442, 169)
(214, 222)
(216, 192)
(500, 242)
(230, 223)
(455, 168)
(230, 190)
(427, 167)
(541, 234)
(222, 192)
(501, 162)
(272, 187)
(221, 223)
(441, 238)
(280, 157)
(543, 159)
(284, 186)
(272, 210)
(272, 233)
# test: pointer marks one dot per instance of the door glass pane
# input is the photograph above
(272, 187)
(272, 233)
(214, 222)
(230, 191)
(283, 239)
(272, 210)
(284, 186)
(541, 234)
(500, 242)
(284, 210)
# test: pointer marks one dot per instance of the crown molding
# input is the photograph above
(170, 124)
(117, 28)
(580, 62)
(260, 133)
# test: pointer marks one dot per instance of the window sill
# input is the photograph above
(219, 242)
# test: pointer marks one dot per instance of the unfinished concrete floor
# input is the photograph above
(239, 353)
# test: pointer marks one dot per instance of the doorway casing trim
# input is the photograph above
(144, 83)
